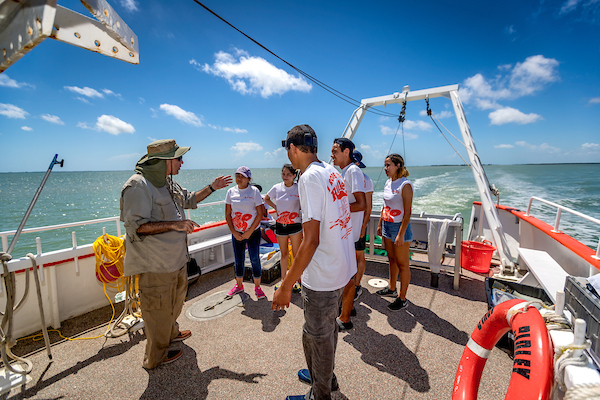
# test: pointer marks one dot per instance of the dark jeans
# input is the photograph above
(239, 251)
(319, 338)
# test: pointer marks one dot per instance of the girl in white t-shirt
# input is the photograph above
(394, 227)
(244, 209)
(284, 198)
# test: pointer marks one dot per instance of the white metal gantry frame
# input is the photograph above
(26, 23)
(450, 92)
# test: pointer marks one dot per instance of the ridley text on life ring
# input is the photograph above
(532, 369)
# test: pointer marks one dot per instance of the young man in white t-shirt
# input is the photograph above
(325, 259)
(342, 156)
(361, 261)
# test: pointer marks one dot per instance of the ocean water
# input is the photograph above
(80, 196)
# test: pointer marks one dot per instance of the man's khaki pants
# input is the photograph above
(162, 297)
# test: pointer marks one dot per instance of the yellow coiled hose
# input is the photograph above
(109, 251)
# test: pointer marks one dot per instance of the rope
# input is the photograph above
(585, 391)
(38, 336)
(132, 308)
(110, 251)
(493, 189)
(390, 149)
(564, 357)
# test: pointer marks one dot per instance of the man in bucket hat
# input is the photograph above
(152, 209)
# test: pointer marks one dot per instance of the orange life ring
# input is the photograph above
(532, 368)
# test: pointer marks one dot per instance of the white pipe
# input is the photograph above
(560, 303)
(38, 243)
(578, 336)
(74, 237)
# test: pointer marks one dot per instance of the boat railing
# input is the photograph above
(6, 234)
(203, 205)
(559, 210)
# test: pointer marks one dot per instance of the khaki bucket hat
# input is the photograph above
(164, 149)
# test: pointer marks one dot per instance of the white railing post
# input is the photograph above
(38, 244)
(74, 237)
(4, 242)
(557, 221)
(559, 209)
(118, 227)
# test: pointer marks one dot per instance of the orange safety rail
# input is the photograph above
(572, 244)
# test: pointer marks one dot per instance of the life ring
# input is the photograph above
(532, 368)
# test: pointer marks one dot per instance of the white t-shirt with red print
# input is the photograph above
(393, 204)
(243, 206)
(355, 182)
(287, 201)
(368, 184)
(323, 198)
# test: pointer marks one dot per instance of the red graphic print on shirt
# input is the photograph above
(388, 214)
(287, 217)
(239, 221)
(336, 188)
(340, 197)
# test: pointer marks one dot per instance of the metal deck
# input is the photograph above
(255, 353)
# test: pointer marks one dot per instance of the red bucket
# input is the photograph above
(476, 256)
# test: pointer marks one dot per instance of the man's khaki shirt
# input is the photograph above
(142, 202)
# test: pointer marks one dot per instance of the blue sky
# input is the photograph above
(528, 73)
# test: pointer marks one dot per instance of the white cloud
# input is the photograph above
(590, 147)
(27, 128)
(7, 82)
(11, 83)
(485, 104)
(417, 125)
(227, 129)
(84, 125)
(440, 115)
(151, 139)
(12, 111)
(503, 146)
(477, 87)
(276, 154)
(595, 100)
(85, 91)
(533, 74)
(113, 125)
(508, 115)
(366, 149)
(569, 6)
(185, 116)
(241, 148)
(544, 147)
(129, 5)
(111, 93)
(53, 119)
(251, 75)
(386, 130)
(235, 130)
(523, 79)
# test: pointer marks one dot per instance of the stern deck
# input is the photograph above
(255, 353)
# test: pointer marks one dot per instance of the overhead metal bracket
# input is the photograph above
(26, 23)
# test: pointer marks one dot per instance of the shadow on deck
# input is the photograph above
(255, 353)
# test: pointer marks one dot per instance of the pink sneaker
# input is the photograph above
(235, 290)
(259, 293)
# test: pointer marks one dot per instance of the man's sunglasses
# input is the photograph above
(307, 140)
